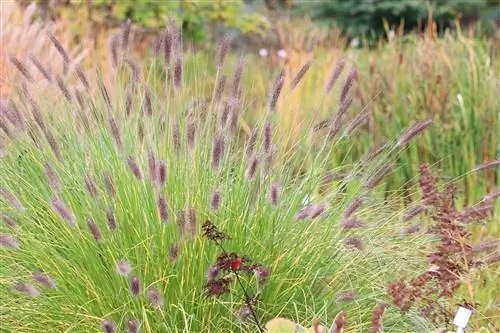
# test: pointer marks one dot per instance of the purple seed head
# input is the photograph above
(123, 268)
(134, 167)
(354, 242)
(352, 207)
(181, 222)
(337, 70)
(44, 279)
(276, 90)
(155, 297)
(168, 41)
(153, 172)
(133, 326)
(220, 88)
(162, 207)
(346, 296)
(234, 114)
(223, 49)
(8, 241)
(411, 229)
(11, 199)
(251, 142)
(140, 131)
(412, 132)
(27, 288)
(176, 136)
(268, 133)
(41, 68)
(243, 313)
(316, 210)
(269, 159)
(377, 176)
(162, 173)
(262, 274)
(147, 104)
(128, 102)
(253, 164)
(303, 213)
(109, 184)
(61, 51)
(90, 186)
(115, 132)
(108, 326)
(83, 78)
(173, 253)
(94, 229)
(64, 88)
(238, 71)
(487, 165)
(114, 43)
(135, 287)
(300, 74)
(344, 93)
(21, 68)
(191, 216)
(191, 132)
(8, 221)
(178, 71)
(215, 201)
(64, 212)
(276, 189)
(212, 272)
(217, 151)
(126, 34)
(52, 178)
(352, 223)
(414, 211)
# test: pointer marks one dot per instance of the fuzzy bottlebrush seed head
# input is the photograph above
(44, 280)
(61, 50)
(337, 70)
(221, 86)
(133, 326)
(8, 221)
(135, 286)
(190, 133)
(83, 78)
(176, 136)
(346, 296)
(376, 323)
(412, 132)
(268, 133)
(41, 68)
(163, 208)
(8, 241)
(94, 230)
(352, 207)
(340, 323)
(152, 167)
(21, 68)
(108, 326)
(354, 242)
(64, 88)
(109, 184)
(276, 90)
(52, 178)
(300, 74)
(346, 87)
(252, 165)
(217, 151)
(222, 51)
(178, 71)
(173, 253)
(123, 268)
(155, 297)
(27, 288)
(134, 167)
(238, 71)
(90, 186)
(115, 132)
(215, 199)
(162, 173)
(352, 223)
(11, 199)
(276, 189)
(147, 103)
(64, 212)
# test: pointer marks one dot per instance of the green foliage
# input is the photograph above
(360, 17)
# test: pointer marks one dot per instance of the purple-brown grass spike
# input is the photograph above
(181, 222)
(94, 230)
(376, 323)
(9, 221)
(488, 165)
(147, 104)
(44, 280)
(192, 222)
(315, 211)
(80, 99)
(11, 199)
(54, 145)
(339, 324)
(178, 71)
(126, 34)
(64, 88)
(251, 143)
(83, 78)
(133, 326)
(176, 136)
(155, 297)
(11, 112)
(135, 71)
(162, 173)
(355, 242)
(413, 131)
(134, 167)
(238, 71)
(352, 207)
(300, 74)
(337, 70)
(108, 326)
(64, 212)
(276, 90)
(345, 296)
(128, 102)
(414, 211)
(217, 151)
(234, 114)
(104, 93)
(356, 122)
(221, 85)
(90, 186)
(377, 177)
(123, 268)
(346, 87)
(109, 184)
(168, 41)
(268, 134)
(61, 51)
(215, 199)
(410, 229)
(9, 241)
(276, 189)
(269, 159)
(222, 51)
(21, 68)
(140, 132)
(190, 133)
(114, 43)
(5, 128)
(115, 132)
(252, 165)
(173, 253)
(52, 178)
(163, 208)
(135, 286)
(352, 223)
(111, 219)
(27, 288)
(153, 167)
(41, 68)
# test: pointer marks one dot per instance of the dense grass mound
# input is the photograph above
(105, 187)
